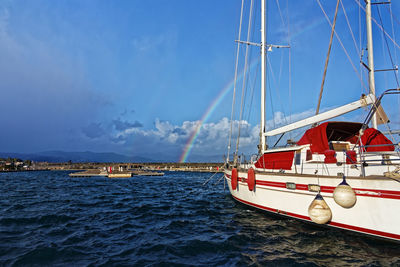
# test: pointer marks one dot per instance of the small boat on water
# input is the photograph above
(339, 174)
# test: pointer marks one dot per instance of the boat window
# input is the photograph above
(342, 131)
(297, 158)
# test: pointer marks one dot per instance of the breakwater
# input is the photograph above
(189, 167)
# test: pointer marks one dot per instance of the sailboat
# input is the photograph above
(339, 174)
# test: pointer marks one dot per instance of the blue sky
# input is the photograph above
(134, 77)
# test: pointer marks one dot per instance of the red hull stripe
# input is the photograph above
(329, 189)
(334, 224)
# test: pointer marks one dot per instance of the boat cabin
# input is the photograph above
(320, 144)
(339, 136)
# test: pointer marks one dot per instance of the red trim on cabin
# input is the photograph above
(335, 224)
(276, 160)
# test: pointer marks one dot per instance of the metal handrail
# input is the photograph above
(373, 110)
(379, 146)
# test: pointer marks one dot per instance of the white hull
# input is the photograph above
(288, 179)
(375, 212)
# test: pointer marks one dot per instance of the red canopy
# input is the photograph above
(276, 160)
(373, 137)
(316, 137)
(320, 136)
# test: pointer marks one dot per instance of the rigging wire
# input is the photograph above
(276, 89)
(289, 65)
(341, 44)
(244, 77)
(384, 56)
(235, 80)
(393, 33)
(282, 54)
(362, 39)
(387, 46)
(272, 103)
(251, 84)
(394, 43)
(344, 49)
(263, 124)
(360, 42)
(393, 17)
(280, 12)
(358, 48)
(349, 26)
(391, 60)
(277, 81)
(379, 26)
(394, 48)
(252, 91)
(327, 58)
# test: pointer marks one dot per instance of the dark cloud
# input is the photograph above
(45, 95)
(123, 125)
(124, 112)
(119, 139)
(93, 130)
(179, 131)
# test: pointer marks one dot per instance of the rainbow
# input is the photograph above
(195, 133)
(189, 144)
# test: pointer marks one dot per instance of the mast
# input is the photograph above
(263, 51)
(370, 49)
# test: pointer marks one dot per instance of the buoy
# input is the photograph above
(344, 195)
(251, 179)
(319, 211)
(234, 178)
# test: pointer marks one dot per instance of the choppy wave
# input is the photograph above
(48, 218)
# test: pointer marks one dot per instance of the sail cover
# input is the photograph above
(374, 140)
(320, 136)
(282, 160)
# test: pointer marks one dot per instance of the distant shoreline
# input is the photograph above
(69, 166)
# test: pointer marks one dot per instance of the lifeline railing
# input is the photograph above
(385, 160)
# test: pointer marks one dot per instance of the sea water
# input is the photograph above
(48, 218)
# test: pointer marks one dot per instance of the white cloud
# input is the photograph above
(280, 119)
(166, 140)
(212, 139)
